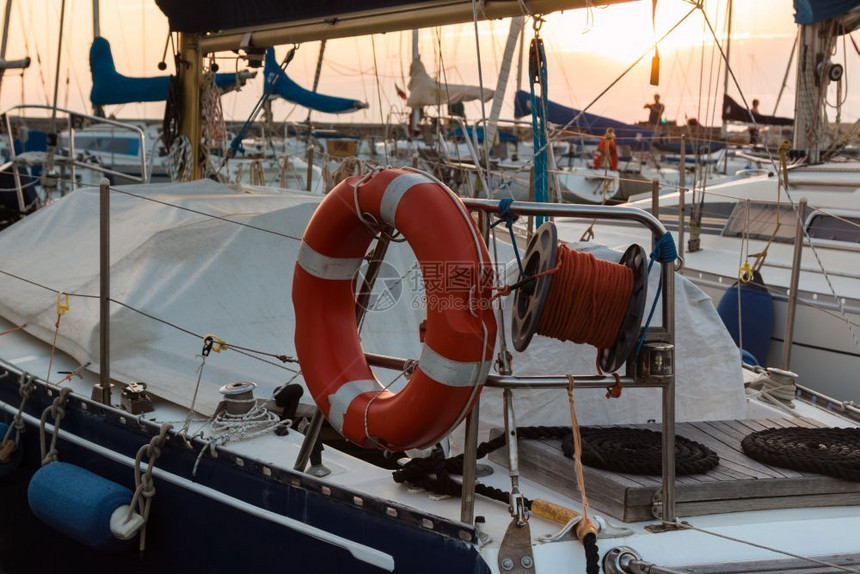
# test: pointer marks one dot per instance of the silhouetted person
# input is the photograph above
(753, 129)
(656, 112)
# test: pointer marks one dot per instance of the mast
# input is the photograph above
(813, 77)
(189, 78)
(96, 25)
(317, 74)
(415, 116)
(724, 129)
(492, 126)
(98, 111)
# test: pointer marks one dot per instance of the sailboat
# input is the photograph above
(194, 416)
(794, 224)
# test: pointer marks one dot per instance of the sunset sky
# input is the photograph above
(586, 49)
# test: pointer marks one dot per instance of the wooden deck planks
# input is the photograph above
(738, 484)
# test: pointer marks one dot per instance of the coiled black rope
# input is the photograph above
(638, 451)
(633, 451)
(433, 473)
(833, 452)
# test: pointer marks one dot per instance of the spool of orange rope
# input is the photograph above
(579, 298)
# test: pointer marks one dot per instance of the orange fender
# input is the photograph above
(601, 153)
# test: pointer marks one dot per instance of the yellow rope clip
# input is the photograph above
(746, 273)
(218, 344)
(62, 303)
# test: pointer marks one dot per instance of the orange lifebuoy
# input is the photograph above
(601, 153)
(461, 327)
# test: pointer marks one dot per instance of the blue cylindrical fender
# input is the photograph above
(6, 468)
(78, 503)
(756, 305)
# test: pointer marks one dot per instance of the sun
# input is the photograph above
(623, 32)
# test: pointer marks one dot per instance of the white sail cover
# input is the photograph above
(425, 91)
(199, 275)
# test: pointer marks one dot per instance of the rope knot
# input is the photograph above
(26, 386)
(614, 391)
(153, 451)
(505, 215)
(57, 412)
(504, 211)
(50, 456)
(147, 486)
(664, 249)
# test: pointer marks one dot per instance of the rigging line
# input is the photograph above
(688, 526)
(203, 213)
(701, 82)
(38, 54)
(714, 87)
(379, 93)
(45, 287)
(486, 178)
(576, 119)
(826, 211)
(840, 301)
(241, 350)
(740, 91)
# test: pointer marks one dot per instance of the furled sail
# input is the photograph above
(279, 84)
(425, 91)
(111, 87)
(592, 124)
(734, 112)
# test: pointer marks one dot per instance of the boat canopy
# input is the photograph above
(591, 124)
(734, 112)
(199, 16)
(111, 87)
(229, 274)
(279, 84)
(425, 91)
(807, 12)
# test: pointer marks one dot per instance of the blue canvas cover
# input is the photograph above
(111, 87)
(213, 15)
(279, 84)
(625, 134)
(503, 136)
(808, 12)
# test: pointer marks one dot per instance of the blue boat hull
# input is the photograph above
(194, 533)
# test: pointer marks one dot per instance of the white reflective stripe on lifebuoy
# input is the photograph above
(340, 401)
(326, 267)
(395, 191)
(449, 372)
